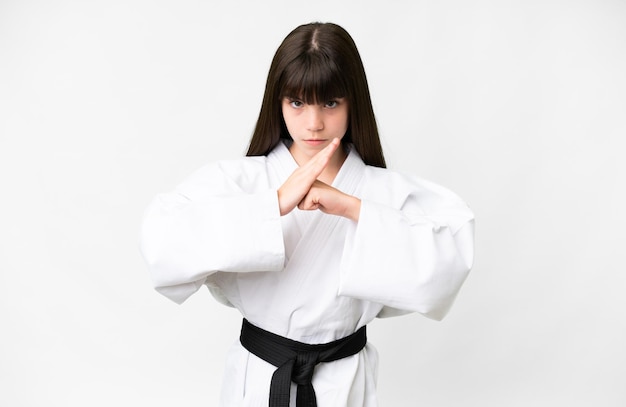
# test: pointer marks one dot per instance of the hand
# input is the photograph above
(331, 200)
(299, 182)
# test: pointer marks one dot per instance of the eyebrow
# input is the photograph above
(299, 99)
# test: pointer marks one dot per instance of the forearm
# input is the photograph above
(352, 208)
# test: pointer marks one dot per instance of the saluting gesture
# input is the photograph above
(304, 190)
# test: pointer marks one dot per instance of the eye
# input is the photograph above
(295, 103)
(331, 104)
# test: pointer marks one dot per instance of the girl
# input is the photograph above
(310, 237)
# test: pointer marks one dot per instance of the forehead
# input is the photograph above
(313, 79)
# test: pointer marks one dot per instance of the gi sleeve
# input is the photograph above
(210, 223)
(410, 258)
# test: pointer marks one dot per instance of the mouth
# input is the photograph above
(314, 142)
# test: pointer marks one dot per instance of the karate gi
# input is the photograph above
(308, 276)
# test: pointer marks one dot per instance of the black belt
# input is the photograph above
(296, 360)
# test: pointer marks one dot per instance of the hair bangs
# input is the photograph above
(313, 79)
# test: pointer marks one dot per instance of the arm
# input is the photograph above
(222, 218)
(412, 256)
(211, 223)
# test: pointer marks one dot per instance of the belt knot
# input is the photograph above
(305, 365)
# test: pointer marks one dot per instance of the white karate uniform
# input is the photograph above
(308, 276)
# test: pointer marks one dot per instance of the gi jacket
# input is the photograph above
(309, 276)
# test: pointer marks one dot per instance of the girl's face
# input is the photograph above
(313, 127)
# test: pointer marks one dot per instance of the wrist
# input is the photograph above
(353, 210)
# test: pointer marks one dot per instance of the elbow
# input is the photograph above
(179, 293)
(438, 293)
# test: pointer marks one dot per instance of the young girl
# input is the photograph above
(310, 237)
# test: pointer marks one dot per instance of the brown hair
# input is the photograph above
(315, 63)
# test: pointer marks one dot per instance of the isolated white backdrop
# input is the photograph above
(518, 106)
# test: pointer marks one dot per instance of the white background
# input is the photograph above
(518, 106)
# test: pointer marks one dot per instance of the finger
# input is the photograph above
(322, 158)
(327, 152)
(310, 202)
(308, 206)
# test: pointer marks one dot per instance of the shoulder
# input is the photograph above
(399, 190)
(244, 174)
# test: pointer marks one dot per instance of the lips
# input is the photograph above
(315, 142)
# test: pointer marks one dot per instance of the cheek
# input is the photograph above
(345, 116)
(289, 120)
(292, 123)
(345, 121)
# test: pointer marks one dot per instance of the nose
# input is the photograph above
(315, 120)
